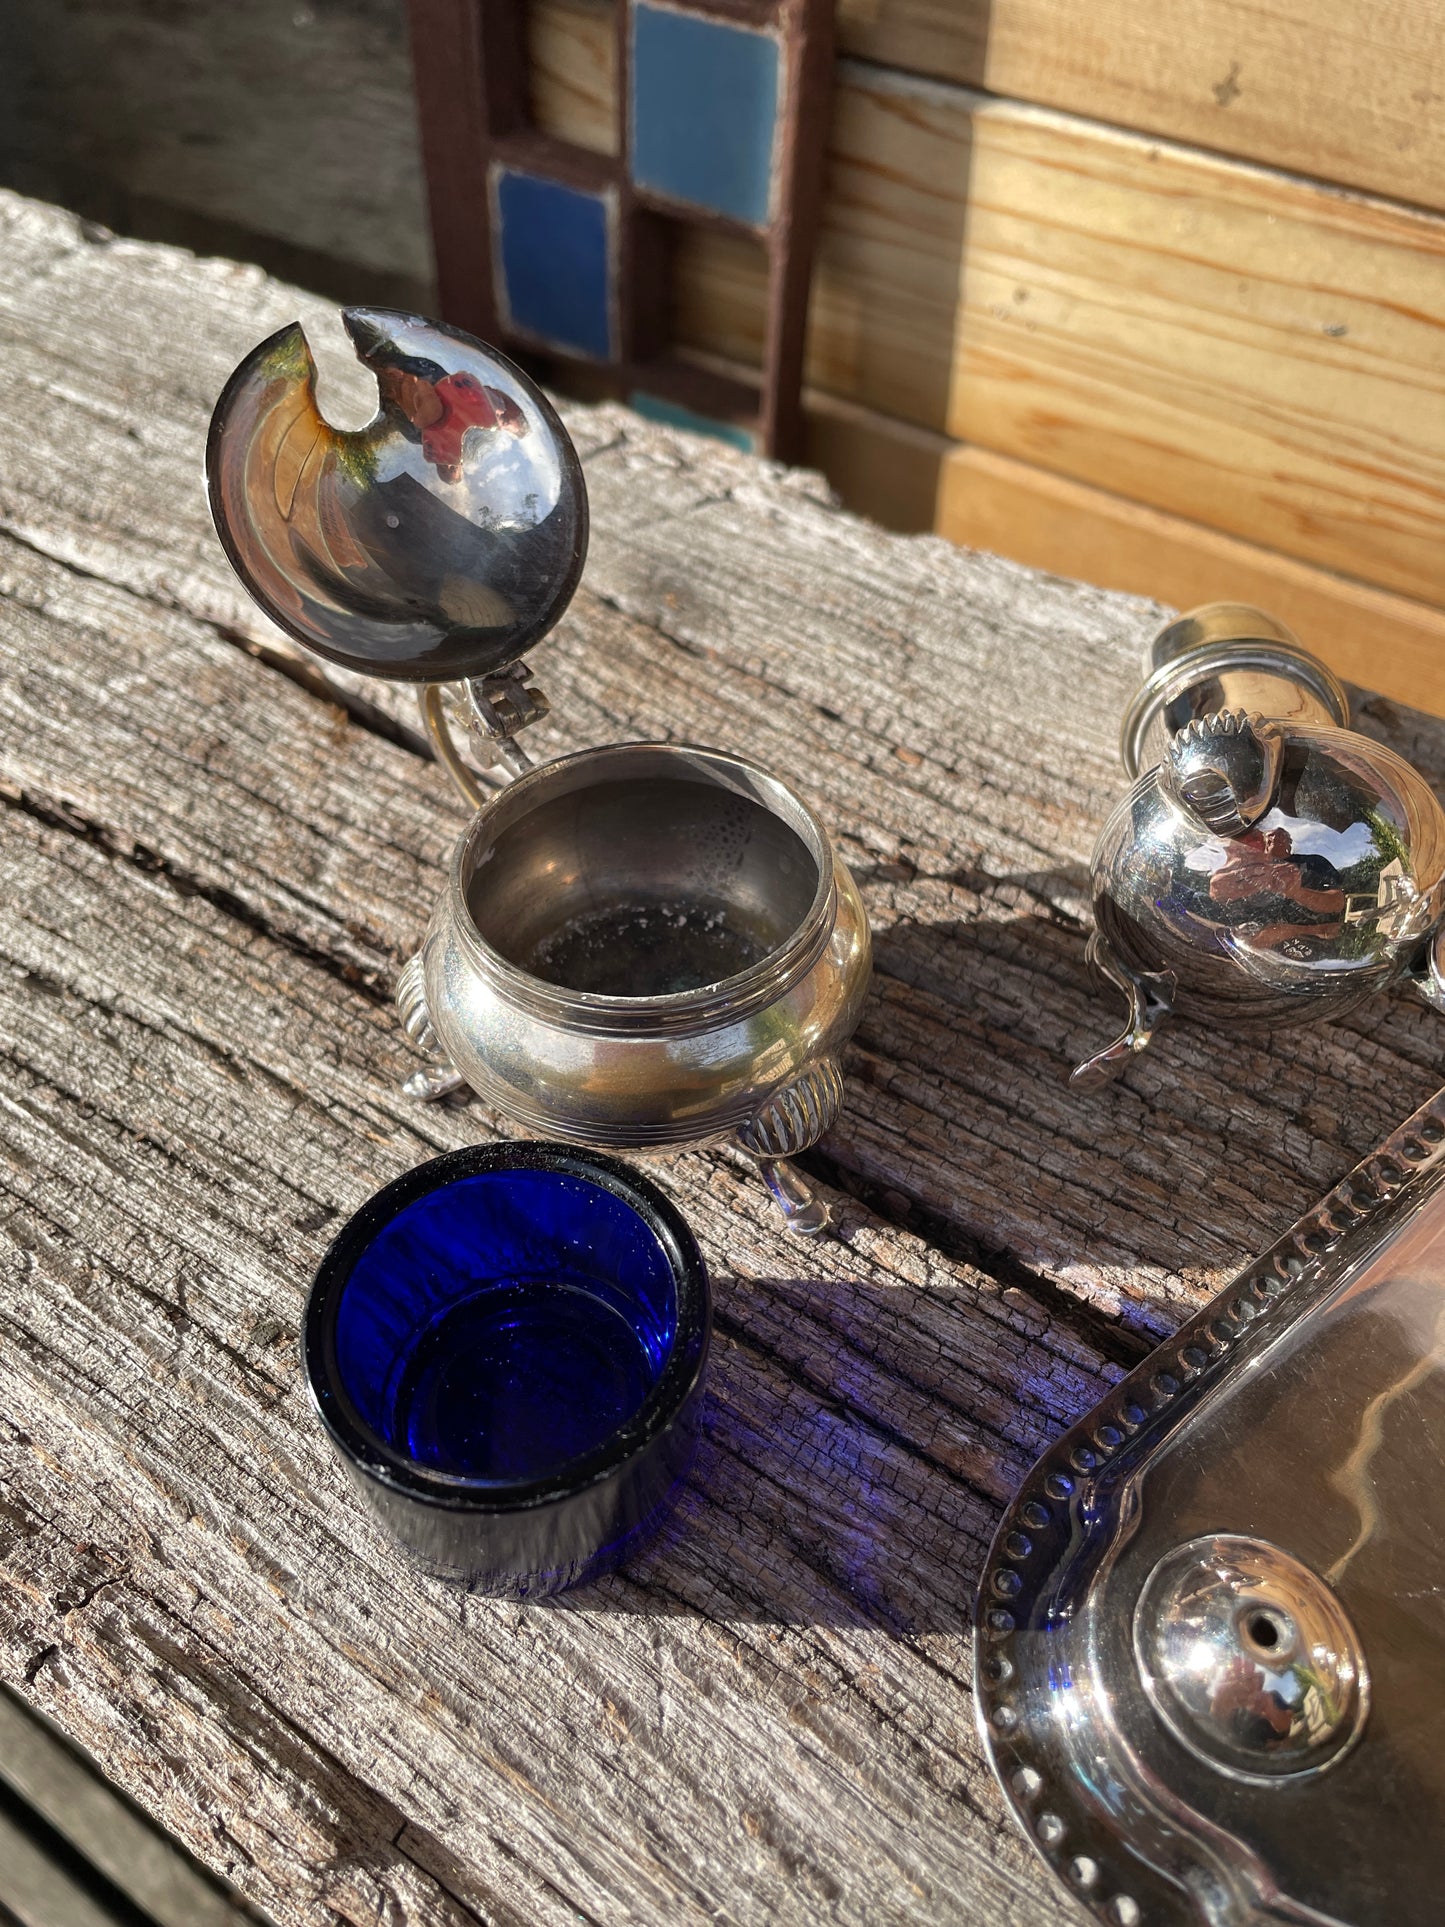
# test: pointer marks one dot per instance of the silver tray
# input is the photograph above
(1210, 1642)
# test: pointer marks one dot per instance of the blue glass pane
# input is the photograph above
(555, 256)
(505, 1324)
(671, 412)
(704, 110)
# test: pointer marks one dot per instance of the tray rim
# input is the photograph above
(1071, 1480)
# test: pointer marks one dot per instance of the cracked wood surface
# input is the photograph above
(213, 866)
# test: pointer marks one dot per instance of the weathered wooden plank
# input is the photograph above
(766, 1716)
(1253, 352)
(109, 1838)
(909, 478)
(209, 878)
(915, 690)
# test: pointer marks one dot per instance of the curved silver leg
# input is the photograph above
(438, 1079)
(792, 1120)
(801, 1211)
(431, 1085)
(1149, 995)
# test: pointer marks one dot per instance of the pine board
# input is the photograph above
(1328, 88)
(909, 478)
(1333, 91)
(210, 871)
(1255, 353)
(1365, 634)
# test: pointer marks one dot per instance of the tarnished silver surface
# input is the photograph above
(1273, 866)
(650, 946)
(1210, 1643)
(640, 947)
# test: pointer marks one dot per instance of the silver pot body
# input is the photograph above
(1271, 865)
(646, 947)
(638, 947)
(1305, 912)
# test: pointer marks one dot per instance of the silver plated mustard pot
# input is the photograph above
(641, 946)
(1270, 865)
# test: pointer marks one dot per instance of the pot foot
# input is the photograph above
(438, 1081)
(800, 1210)
(793, 1119)
(1148, 993)
(435, 1084)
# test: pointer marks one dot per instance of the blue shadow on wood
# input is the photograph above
(554, 262)
(704, 112)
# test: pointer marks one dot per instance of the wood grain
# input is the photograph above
(209, 875)
(1255, 353)
(1172, 348)
(188, 1586)
(572, 72)
(908, 478)
(910, 687)
(1367, 635)
(1340, 93)
(1348, 93)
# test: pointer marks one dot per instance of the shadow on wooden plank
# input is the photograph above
(74, 1852)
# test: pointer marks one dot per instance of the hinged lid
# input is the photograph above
(436, 544)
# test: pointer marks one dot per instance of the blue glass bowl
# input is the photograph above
(506, 1346)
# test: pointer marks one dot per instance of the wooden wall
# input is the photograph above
(1164, 308)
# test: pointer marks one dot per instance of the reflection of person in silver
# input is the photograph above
(1263, 874)
(428, 560)
(1257, 1714)
(442, 409)
(410, 554)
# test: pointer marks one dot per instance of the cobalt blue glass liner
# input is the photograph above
(506, 1345)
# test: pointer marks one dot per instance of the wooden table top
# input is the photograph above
(214, 864)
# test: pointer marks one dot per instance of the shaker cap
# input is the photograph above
(440, 542)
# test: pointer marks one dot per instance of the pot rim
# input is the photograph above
(724, 1002)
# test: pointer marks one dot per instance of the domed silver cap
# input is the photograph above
(1249, 1658)
(435, 544)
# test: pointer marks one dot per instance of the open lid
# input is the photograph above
(437, 543)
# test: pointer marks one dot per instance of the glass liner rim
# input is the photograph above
(366, 1451)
